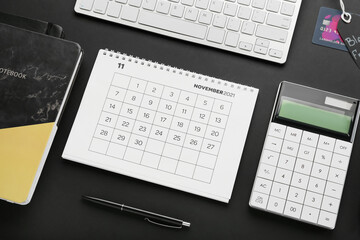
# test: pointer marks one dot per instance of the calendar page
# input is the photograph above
(161, 124)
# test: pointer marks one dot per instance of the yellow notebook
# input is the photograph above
(36, 74)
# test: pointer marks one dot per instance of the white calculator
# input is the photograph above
(306, 154)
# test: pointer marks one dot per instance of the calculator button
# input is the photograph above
(330, 204)
(292, 209)
(337, 175)
(319, 171)
(273, 144)
(269, 157)
(279, 190)
(316, 185)
(310, 214)
(323, 157)
(290, 148)
(286, 162)
(296, 195)
(283, 176)
(303, 166)
(326, 143)
(266, 171)
(309, 139)
(276, 130)
(262, 185)
(333, 190)
(300, 180)
(293, 134)
(340, 161)
(259, 200)
(327, 219)
(342, 147)
(313, 199)
(306, 152)
(276, 205)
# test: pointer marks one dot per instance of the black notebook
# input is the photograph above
(36, 75)
(39, 26)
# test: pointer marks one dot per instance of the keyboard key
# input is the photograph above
(171, 24)
(259, 3)
(230, 9)
(259, 49)
(163, 7)
(205, 17)
(191, 14)
(245, 46)
(216, 6)
(273, 5)
(262, 42)
(177, 10)
(216, 35)
(258, 16)
(278, 21)
(287, 9)
(244, 2)
(130, 13)
(187, 2)
(232, 39)
(244, 12)
(114, 9)
(135, 3)
(248, 28)
(121, 1)
(219, 21)
(271, 33)
(234, 24)
(275, 53)
(86, 4)
(100, 6)
(203, 4)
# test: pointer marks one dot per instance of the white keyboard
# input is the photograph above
(257, 28)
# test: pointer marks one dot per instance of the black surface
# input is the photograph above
(57, 211)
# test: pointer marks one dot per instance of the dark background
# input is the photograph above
(57, 211)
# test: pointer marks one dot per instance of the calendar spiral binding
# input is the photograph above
(175, 70)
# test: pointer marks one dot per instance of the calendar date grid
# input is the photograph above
(152, 126)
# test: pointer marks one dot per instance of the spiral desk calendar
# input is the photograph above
(162, 124)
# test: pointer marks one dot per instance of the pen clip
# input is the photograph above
(160, 224)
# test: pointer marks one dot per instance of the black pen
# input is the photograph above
(151, 217)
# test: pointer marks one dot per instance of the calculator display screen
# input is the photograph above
(315, 116)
